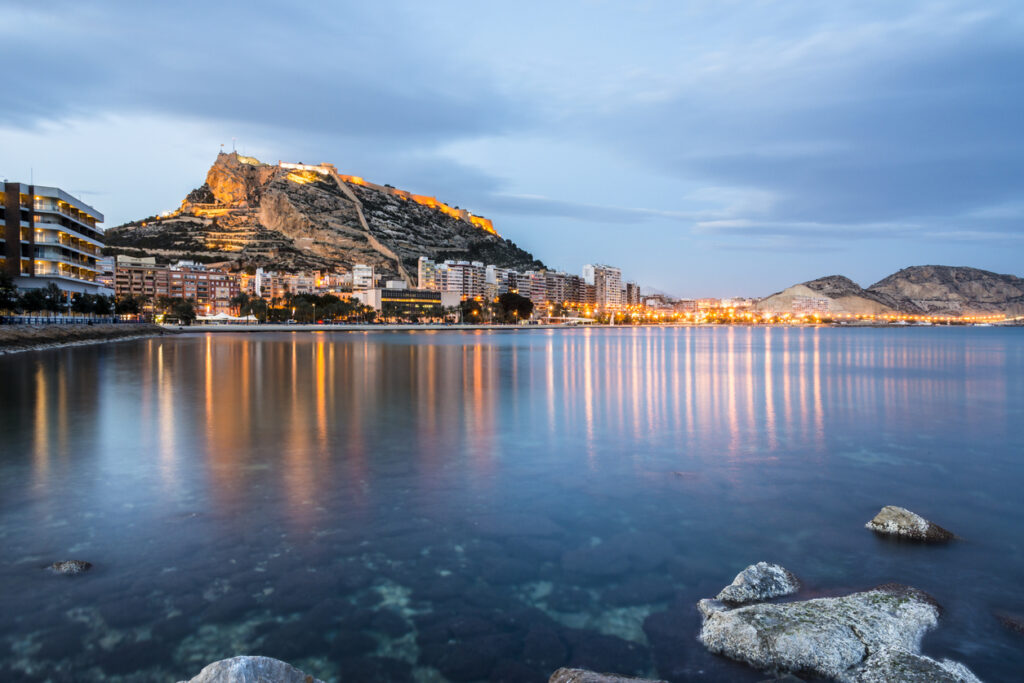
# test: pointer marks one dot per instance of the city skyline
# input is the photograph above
(705, 157)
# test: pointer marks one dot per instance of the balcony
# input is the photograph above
(80, 218)
(66, 260)
(66, 242)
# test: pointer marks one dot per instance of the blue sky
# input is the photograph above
(708, 148)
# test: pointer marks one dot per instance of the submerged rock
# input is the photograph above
(864, 637)
(70, 567)
(1014, 622)
(759, 582)
(584, 676)
(897, 521)
(251, 670)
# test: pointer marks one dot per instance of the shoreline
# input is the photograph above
(421, 327)
(19, 338)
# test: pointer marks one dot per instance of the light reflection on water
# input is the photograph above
(290, 471)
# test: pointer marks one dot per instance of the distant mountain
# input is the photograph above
(844, 295)
(951, 290)
(292, 217)
(918, 290)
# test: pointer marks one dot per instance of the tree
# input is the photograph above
(32, 301)
(258, 308)
(472, 311)
(128, 305)
(8, 293)
(53, 297)
(103, 305)
(515, 307)
(184, 310)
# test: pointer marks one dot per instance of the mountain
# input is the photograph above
(952, 290)
(918, 290)
(294, 217)
(843, 294)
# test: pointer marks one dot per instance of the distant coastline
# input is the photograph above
(420, 327)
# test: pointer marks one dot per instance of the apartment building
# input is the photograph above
(607, 282)
(49, 237)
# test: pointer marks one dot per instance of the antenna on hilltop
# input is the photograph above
(233, 144)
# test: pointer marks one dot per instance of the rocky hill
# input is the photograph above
(952, 290)
(292, 217)
(843, 296)
(918, 290)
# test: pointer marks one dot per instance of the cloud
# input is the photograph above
(532, 205)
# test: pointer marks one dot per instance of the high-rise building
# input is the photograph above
(633, 294)
(362, 276)
(466, 278)
(50, 237)
(607, 282)
(426, 274)
(502, 279)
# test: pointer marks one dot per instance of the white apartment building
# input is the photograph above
(607, 282)
(362, 276)
(50, 237)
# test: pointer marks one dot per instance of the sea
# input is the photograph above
(492, 505)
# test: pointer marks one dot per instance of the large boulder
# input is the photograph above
(759, 582)
(565, 675)
(864, 637)
(251, 670)
(897, 521)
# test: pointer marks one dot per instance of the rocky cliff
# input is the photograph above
(292, 217)
(918, 290)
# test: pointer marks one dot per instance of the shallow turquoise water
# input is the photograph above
(493, 505)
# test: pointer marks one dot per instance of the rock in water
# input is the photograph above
(759, 582)
(70, 567)
(858, 638)
(251, 670)
(897, 521)
(583, 676)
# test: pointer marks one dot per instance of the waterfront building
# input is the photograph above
(140, 277)
(502, 280)
(402, 302)
(607, 282)
(686, 306)
(533, 285)
(708, 304)
(362, 277)
(426, 274)
(107, 267)
(465, 277)
(632, 294)
(49, 237)
(212, 290)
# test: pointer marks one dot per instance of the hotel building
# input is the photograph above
(50, 237)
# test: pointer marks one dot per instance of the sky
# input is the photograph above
(711, 148)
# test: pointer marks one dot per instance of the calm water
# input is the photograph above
(474, 506)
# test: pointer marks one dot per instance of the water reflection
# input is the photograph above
(448, 473)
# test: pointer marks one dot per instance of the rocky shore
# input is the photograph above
(14, 338)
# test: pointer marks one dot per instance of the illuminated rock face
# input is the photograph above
(296, 217)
